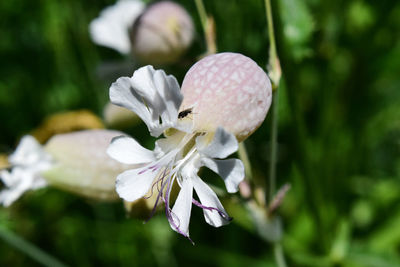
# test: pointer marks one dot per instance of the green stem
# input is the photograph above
(271, 34)
(29, 249)
(208, 25)
(274, 145)
(202, 13)
(279, 256)
(274, 71)
(246, 162)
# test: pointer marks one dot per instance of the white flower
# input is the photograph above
(111, 28)
(28, 160)
(76, 162)
(155, 97)
(162, 34)
(157, 34)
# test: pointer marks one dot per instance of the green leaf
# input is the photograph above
(387, 237)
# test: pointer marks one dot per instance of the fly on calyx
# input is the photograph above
(184, 113)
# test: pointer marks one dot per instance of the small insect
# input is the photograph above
(184, 113)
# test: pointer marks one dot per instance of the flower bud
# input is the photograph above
(162, 33)
(81, 164)
(228, 90)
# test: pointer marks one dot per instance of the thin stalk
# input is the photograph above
(271, 34)
(274, 68)
(274, 145)
(208, 25)
(279, 256)
(274, 71)
(202, 13)
(246, 162)
(29, 249)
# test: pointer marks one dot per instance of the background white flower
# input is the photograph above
(157, 34)
(76, 162)
(111, 28)
(28, 160)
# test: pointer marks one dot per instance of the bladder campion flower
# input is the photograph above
(111, 28)
(157, 34)
(193, 136)
(76, 162)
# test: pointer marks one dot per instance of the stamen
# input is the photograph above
(161, 187)
(152, 168)
(221, 213)
(142, 171)
(160, 193)
(152, 187)
(170, 170)
(160, 179)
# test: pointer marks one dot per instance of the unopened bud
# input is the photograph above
(162, 33)
(81, 164)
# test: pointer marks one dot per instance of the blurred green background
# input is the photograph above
(339, 134)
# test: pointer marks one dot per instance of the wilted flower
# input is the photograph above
(75, 162)
(65, 122)
(158, 34)
(194, 136)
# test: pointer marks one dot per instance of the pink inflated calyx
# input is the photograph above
(162, 34)
(228, 90)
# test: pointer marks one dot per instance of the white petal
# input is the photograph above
(134, 184)
(154, 96)
(28, 152)
(164, 145)
(7, 179)
(28, 162)
(128, 151)
(162, 95)
(13, 190)
(122, 94)
(231, 171)
(38, 183)
(30, 156)
(169, 91)
(222, 145)
(182, 208)
(111, 28)
(8, 197)
(17, 182)
(209, 199)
